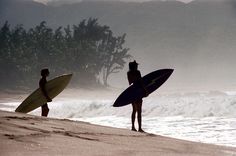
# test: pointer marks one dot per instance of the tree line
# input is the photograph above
(89, 50)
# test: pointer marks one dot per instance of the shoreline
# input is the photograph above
(23, 134)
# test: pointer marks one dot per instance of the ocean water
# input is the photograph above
(208, 117)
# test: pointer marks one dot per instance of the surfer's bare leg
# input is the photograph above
(45, 110)
(133, 116)
(140, 116)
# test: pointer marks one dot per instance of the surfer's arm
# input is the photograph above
(142, 85)
(129, 78)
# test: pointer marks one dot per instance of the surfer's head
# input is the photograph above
(44, 72)
(133, 65)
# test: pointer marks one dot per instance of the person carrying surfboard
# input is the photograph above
(134, 75)
(42, 83)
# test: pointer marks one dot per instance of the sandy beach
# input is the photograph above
(23, 134)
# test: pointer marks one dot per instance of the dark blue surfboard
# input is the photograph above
(151, 81)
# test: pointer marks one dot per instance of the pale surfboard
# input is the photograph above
(37, 99)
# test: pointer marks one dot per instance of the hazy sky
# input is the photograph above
(45, 1)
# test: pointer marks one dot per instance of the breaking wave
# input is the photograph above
(187, 105)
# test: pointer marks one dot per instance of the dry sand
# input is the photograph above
(23, 134)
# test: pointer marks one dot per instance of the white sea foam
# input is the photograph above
(187, 105)
(216, 130)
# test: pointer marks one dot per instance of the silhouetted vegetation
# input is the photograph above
(88, 50)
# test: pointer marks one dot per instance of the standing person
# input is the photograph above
(42, 83)
(134, 75)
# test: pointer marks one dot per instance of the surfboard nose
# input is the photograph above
(167, 71)
(170, 70)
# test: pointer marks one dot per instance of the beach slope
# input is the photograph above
(23, 134)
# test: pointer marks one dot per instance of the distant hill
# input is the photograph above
(197, 39)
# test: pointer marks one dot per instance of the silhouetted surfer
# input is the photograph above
(42, 83)
(134, 75)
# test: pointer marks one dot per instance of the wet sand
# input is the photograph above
(23, 134)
